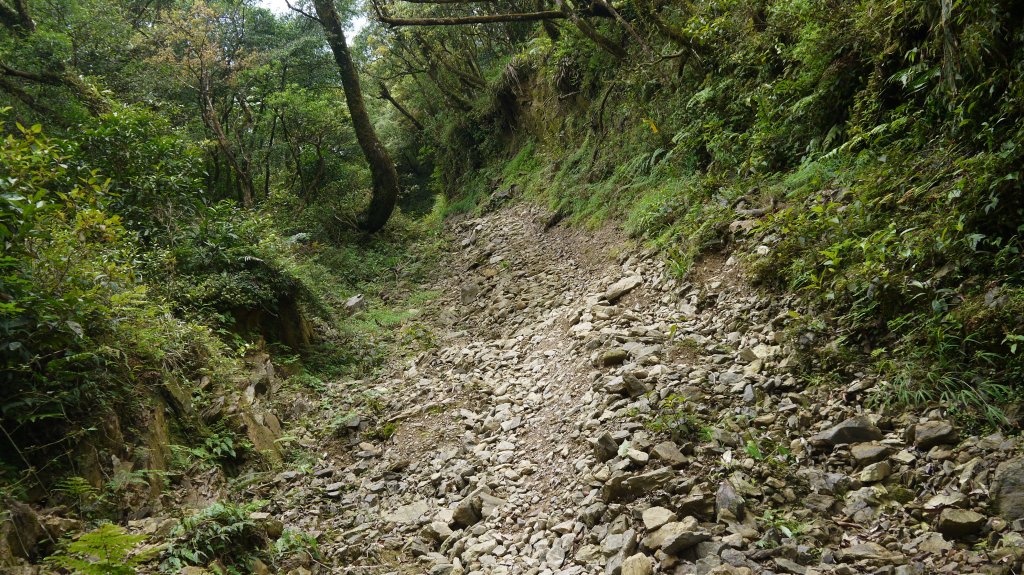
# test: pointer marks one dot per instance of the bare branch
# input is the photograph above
(301, 11)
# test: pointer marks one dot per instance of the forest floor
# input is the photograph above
(581, 411)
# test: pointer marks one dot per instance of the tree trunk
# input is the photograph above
(210, 116)
(382, 169)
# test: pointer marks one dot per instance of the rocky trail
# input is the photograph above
(583, 412)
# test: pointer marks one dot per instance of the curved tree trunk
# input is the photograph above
(382, 169)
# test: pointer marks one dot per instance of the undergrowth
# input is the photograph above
(868, 154)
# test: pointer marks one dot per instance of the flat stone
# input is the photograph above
(932, 433)
(869, 551)
(638, 564)
(436, 531)
(655, 517)
(788, 566)
(960, 523)
(942, 500)
(854, 430)
(677, 536)
(932, 542)
(622, 287)
(614, 357)
(626, 487)
(468, 512)
(668, 452)
(868, 453)
(627, 384)
(875, 472)
(410, 513)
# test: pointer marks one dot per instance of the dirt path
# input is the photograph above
(584, 413)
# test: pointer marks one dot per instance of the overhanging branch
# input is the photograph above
(462, 20)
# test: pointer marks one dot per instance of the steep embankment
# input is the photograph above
(583, 412)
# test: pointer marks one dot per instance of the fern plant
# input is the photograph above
(222, 531)
(106, 550)
(80, 493)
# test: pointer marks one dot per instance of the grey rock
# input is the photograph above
(638, 564)
(668, 453)
(627, 384)
(869, 551)
(729, 505)
(469, 292)
(468, 512)
(932, 433)
(410, 513)
(875, 472)
(862, 505)
(622, 287)
(854, 430)
(355, 304)
(436, 531)
(960, 523)
(613, 357)
(672, 538)
(625, 487)
(655, 517)
(604, 447)
(788, 566)
(1008, 489)
(931, 542)
(868, 453)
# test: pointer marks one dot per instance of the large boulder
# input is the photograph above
(1008, 490)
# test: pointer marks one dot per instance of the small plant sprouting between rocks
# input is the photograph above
(383, 431)
(106, 550)
(777, 527)
(675, 418)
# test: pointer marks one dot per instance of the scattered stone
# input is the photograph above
(868, 453)
(468, 512)
(668, 452)
(869, 551)
(672, 538)
(605, 447)
(638, 564)
(960, 523)
(436, 531)
(875, 472)
(729, 505)
(621, 288)
(410, 513)
(624, 487)
(1008, 492)
(854, 430)
(929, 434)
(655, 517)
(614, 357)
(469, 292)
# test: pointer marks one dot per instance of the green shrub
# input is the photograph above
(106, 550)
(222, 532)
